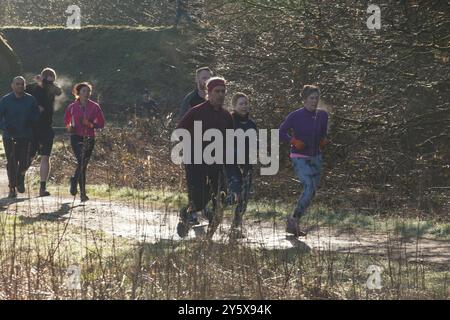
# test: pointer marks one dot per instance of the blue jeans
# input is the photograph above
(308, 170)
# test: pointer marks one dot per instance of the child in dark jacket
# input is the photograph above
(240, 173)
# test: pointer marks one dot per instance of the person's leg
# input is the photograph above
(22, 154)
(317, 170)
(234, 179)
(247, 175)
(75, 142)
(305, 173)
(9, 147)
(34, 148)
(215, 191)
(216, 187)
(45, 149)
(87, 149)
(44, 171)
(195, 181)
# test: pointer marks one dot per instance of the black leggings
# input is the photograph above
(82, 148)
(203, 182)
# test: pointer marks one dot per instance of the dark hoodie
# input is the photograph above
(244, 123)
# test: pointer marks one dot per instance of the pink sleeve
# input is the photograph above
(68, 116)
(99, 121)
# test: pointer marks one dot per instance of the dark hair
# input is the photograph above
(308, 90)
(48, 72)
(77, 88)
(236, 97)
(203, 69)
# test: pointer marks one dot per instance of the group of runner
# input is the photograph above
(304, 129)
(26, 117)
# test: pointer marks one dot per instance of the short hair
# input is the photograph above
(215, 79)
(197, 72)
(77, 88)
(236, 97)
(19, 78)
(48, 72)
(309, 89)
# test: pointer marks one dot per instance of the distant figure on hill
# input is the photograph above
(149, 106)
(182, 11)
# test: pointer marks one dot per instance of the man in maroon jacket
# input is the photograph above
(203, 180)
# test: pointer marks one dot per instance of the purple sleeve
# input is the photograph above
(284, 128)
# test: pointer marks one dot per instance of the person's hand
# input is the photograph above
(38, 78)
(55, 90)
(41, 109)
(87, 123)
(298, 144)
(70, 129)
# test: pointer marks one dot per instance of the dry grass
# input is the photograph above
(36, 257)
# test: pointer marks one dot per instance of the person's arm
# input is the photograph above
(35, 112)
(55, 90)
(230, 124)
(187, 122)
(99, 121)
(285, 127)
(286, 137)
(185, 105)
(68, 119)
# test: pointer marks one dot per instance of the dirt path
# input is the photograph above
(150, 224)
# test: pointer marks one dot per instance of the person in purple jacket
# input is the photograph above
(306, 131)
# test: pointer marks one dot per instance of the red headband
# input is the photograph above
(215, 83)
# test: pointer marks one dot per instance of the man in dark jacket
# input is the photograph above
(18, 114)
(197, 96)
(203, 180)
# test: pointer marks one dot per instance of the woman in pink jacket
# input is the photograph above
(82, 118)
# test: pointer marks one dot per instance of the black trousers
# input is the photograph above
(18, 156)
(204, 183)
(82, 148)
